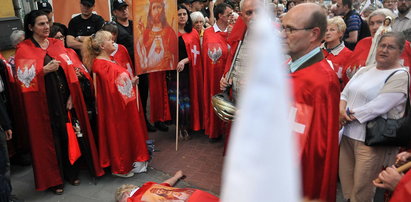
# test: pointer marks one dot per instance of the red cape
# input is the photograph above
(29, 61)
(215, 51)
(236, 35)
(192, 43)
(317, 97)
(20, 141)
(122, 58)
(122, 128)
(402, 192)
(360, 54)
(152, 191)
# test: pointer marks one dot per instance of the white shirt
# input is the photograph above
(217, 29)
(363, 98)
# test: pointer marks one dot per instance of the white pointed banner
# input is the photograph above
(262, 160)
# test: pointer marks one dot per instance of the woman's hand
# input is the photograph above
(135, 80)
(52, 66)
(180, 65)
(9, 134)
(69, 104)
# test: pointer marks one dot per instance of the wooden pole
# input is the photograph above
(177, 102)
(399, 169)
(138, 98)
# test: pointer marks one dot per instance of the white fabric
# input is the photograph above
(217, 29)
(261, 162)
(380, 105)
(363, 88)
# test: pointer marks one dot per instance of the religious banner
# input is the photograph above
(155, 38)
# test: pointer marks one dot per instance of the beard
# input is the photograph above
(403, 9)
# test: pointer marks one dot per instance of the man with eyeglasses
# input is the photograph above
(83, 25)
(315, 112)
(215, 49)
(403, 22)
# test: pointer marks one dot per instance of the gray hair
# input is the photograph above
(16, 36)
(399, 38)
(382, 11)
(241, 5)
(196, 16)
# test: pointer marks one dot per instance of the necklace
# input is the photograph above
(44, 45)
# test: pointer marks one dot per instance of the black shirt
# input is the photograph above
(85, 27)
(125, 37)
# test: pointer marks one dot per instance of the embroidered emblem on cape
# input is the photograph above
(214, 52)
(26, 75)
(66, 58)
(125, 87)
(195, 53)
(300, 117)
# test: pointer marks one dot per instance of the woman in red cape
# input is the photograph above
(122, 130)
(50, 88)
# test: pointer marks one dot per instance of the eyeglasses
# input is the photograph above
(290, 30)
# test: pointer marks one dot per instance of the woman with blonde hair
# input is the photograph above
(120, 119)
(333, 47)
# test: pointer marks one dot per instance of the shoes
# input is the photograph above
(186, 135)
(76, 182)
(58, 190)
(130, 174)
(161, 126)
(150, 128)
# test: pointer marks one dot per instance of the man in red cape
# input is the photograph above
(314, 115)
(192, 44)
(29, 61)
(360, 54)
(215, 51)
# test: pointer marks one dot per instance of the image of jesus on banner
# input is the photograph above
(156, 41)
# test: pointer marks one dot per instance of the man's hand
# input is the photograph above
(135, 80)
(403, 157)
(9, 134)
(224, 83)
(389, 177)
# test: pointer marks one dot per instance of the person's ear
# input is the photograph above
(30, 27)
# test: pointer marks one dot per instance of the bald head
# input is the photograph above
(248, 9)
(316, 17)
(304, 28)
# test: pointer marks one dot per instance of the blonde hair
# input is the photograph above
(123, 189)
(91, 47)
(339, 22)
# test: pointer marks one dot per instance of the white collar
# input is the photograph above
(217, 29)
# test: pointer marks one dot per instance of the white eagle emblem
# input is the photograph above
(125, 86)
(215, 54)
(26, 75)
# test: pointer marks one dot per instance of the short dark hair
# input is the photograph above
(30, 19)
(399, 38)
(189, 25)
(110, 27)
(56, 28)
(318, 19)
(220, 9)
(348, 3)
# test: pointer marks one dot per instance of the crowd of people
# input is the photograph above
(72, 95)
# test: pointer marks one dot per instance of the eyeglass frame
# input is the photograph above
(290, 30)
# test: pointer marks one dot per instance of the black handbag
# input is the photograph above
(390, 132)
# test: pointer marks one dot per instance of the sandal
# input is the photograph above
(58, 190)
(186, 135)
